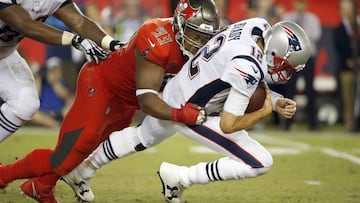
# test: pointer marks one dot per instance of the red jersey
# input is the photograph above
(155, 40)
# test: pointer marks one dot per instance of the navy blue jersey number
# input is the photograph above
(207, 53)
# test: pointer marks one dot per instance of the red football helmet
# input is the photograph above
(195, 22)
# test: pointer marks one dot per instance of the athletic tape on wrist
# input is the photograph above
(105, 42)
(274, 97)
(66, 38)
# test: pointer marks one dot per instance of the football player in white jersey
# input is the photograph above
(19, 19)
(221, 78)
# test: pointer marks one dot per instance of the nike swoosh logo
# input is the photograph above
(35, 195)
(151, 43)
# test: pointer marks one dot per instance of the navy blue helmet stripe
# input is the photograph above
(208, 91)
(249, 58)
(229, 145)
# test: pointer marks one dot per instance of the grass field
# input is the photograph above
(309, 167)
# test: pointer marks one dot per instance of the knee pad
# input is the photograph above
(26, 104)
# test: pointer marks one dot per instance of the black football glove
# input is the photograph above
(116, 44)
(92, 51)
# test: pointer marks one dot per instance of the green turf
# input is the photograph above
(312, 176)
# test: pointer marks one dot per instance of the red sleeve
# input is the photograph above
(154, 42)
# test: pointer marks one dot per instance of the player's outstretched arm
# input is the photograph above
(20, 20)
(71, 15)
(149, 77)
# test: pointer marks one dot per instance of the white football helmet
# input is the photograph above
(195, 22)
(287, 49)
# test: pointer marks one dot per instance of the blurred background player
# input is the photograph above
(346, 36)
(124, 23)
(55, 95)
(311, 24)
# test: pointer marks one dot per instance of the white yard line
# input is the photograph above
(304, 146)
(280, 141)
(342, 155)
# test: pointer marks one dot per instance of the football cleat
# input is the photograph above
(80, 187)
(38, 191)
(2, 184)
(172, 188)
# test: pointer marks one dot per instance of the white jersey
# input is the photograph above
(38, 10)
(207, 78)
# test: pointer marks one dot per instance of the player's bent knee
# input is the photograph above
(267, 161)
(29, 104)
(261, 171)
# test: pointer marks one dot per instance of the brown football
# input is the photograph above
(256, 100)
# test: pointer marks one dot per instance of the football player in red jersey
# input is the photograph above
(109, 93)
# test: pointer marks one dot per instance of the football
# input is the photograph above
(256, 100)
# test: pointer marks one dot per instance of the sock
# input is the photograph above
(195, 174)
(230, 169)
(222, 169)
(99, 157)
(84, 171)
(120, 144)
(36, 163)
(9, 122)
(49, 180)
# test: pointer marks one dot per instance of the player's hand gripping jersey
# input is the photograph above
(38, 10)
(155, 41)
(239, 65)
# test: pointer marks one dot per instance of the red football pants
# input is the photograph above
(95, 113)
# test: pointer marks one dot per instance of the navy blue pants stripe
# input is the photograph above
(229, 145)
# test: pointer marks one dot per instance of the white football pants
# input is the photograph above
(18, 92)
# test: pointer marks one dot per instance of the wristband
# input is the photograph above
(67, 38)
(274, 98)
(176, 115)
(105, 42)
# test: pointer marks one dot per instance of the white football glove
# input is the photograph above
(92, 51)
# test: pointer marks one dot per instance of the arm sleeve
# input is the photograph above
(236, 102)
